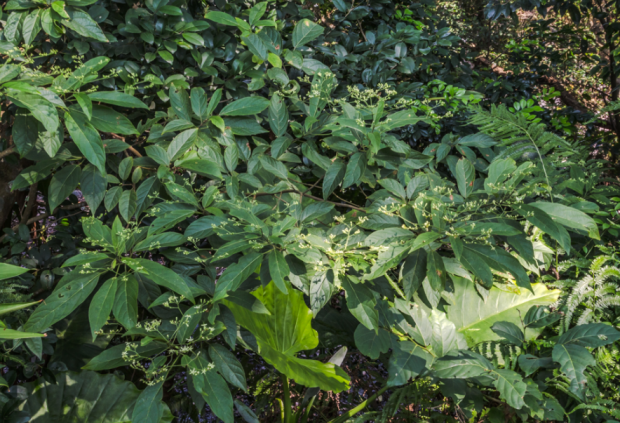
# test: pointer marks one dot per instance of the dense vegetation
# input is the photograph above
(309, 212)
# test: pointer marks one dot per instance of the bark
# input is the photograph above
(8, 172)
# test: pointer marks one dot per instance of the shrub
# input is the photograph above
(229, 186)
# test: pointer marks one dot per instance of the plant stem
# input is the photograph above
(359, 408)
(281, 409)
(304, 419)
(286, 397)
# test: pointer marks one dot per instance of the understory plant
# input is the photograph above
(216, 187)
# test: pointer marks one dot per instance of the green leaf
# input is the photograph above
(221, 18)
(113, 357)
(181, 143)
(212, 387)
(87, 139)
(540, 316)
(83, 397)
(501, 260)
(16, 334)
(168, 220)
(228, 366)
(280, 339)
(112, 197)
(117, 98)
(436, 271)
(333, 177)
(278, 269)
(148, 408)
(321, 290)
(93, 185)
(198, 100)
(188, 322)
(394, 187)
(413, 272)
(202, 167)
(569, 217)
(214, 101)
(236, 274)
(476, 263)
(72, 291)
(274, 167)
(44, 111)
(305, 31)
(86, 257)
(11, 307)
(256, 46)
(83, 24)
(544, 222)
(510, 332)
(12, 28)
(590, 335)
(63, 183)
(245, 106)
(248, 301)
(195, 39)
(126, 301)
(107, 120)
(166, 239)
(355, 169)
(8, 271)
(465, 176)
(101, 305)
(160, 275)
(31, 26)
(466, 364)
(179, 100)
(278, 116)
(530, 363)
(573, 360)
(407, 361)
(257, 12)
(371, 343)
(501, 305)
(511, 387)
(25, 131)
(361, 303)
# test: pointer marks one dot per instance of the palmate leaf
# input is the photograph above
(84, 397)
(286, 331)
(474, 317)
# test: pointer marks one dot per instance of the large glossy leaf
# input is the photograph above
(284, 333)
(84, 397)
(474, 317)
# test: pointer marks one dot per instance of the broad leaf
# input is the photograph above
(279, 339)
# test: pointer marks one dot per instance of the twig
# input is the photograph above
(134, 151)
(309, 196)
(7, 152)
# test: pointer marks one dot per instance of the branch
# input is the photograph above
(7, 152)
(43, 216)
(309, 196)
(32, 198)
